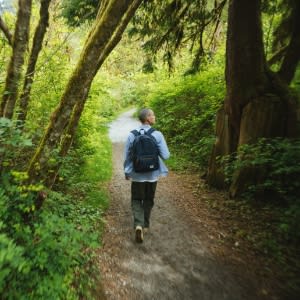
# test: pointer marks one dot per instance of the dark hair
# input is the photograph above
(144, 113)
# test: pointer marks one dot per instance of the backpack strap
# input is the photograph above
(149, 132)
(135, 132)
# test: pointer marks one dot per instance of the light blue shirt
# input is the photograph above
(164, 153)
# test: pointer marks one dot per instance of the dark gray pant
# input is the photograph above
(142, 201)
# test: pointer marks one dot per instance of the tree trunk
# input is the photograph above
(225, 144)
(36, 48)
(245, 61)
(69, 135)
(107, 31)
(20, 42)
(257, 104)
(66, 143)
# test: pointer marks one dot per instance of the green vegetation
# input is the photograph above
(267, 216)
(279, 161)
(48, 252)
(77, 12)
(186, 109)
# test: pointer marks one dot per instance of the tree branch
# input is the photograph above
(6, 31)
(277, 56)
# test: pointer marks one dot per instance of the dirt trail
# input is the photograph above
(176, 260)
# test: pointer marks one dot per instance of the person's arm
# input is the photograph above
(164, 152)
(127, 157)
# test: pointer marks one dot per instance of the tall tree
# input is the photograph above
(257, 103)
(20, 42)
(34, 54)
(108, 28)
(253, 91)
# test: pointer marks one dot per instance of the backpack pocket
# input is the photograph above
(146, 163)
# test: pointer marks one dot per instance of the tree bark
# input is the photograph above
(244, 77)
(34, 54)
(257, 103)
(6, 31)
(105, 34)
(66, 143)
(224, 145)
(245, 61)
(20, 42)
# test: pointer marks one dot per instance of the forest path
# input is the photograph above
(176, 259)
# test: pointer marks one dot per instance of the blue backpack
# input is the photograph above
(144, 151)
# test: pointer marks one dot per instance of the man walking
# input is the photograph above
(144, 183)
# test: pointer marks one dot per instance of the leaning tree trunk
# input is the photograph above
(107, 31)
(69, 133)
(36, 48)
(20, 42)
(256, 104)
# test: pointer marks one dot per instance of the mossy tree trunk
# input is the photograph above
(69, 133)
(20, 42)
(110, 23)
(257, 103)
(34, 54)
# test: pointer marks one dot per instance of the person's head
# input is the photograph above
(146, 116)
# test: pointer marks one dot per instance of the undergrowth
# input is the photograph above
(276, 182)
(49, 253)
(185, 109)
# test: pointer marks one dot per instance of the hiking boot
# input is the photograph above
(139, 234)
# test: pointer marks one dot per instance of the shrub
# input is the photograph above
(41, 250)
(279, 160)
(186, 109)
(13, 143)
(44, 254)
